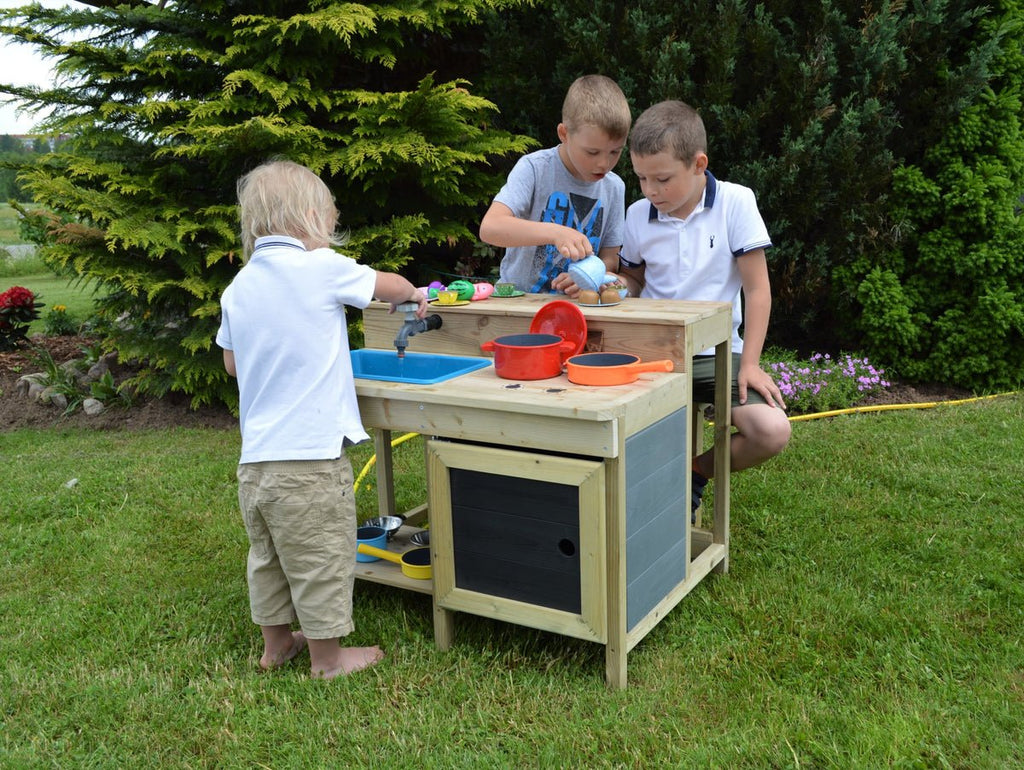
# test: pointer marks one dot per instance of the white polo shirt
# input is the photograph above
(695, 258)
(283, 317)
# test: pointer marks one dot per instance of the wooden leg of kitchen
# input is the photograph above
(444, 627)
(385, 473)
(617, 646)
(722, 431)
(615, 662)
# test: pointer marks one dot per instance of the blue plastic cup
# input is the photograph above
(375, 536)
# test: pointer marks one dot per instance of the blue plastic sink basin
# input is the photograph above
(414, 368)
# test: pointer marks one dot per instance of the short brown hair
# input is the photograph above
(596, 100)
(670, 126)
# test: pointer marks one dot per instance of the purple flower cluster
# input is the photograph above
(823, 383)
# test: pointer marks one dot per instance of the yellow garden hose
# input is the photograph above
(798, 418)
(892, 407)
(373, 459)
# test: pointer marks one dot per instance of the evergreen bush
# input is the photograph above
(168, 104)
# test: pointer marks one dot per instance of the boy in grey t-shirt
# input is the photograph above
(565, 203)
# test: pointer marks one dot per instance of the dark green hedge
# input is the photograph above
(883, 141)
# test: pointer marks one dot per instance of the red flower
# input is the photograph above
(18, 308)
(17, 296)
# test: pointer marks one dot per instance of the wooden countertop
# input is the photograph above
(552, 413)
(555, 397)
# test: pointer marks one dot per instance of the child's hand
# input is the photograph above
(417, 296)
(572, 243)
(564, 283)
(420, 299)
(757, 378)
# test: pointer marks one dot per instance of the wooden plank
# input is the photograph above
(552, 397)
(722, 432)
(700, 567)
(385, 472)
(616, 646)
(498, 425)
(520, 613)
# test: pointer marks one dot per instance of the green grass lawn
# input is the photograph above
(30, 272)
(50, 289)
(871, 618)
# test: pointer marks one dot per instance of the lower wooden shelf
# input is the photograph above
(390, 574)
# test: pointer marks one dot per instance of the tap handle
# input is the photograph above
(407, 307)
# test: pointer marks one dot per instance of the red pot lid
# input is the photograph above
(564, 319)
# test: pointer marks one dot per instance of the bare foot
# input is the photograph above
(270, 660)
(350, 660)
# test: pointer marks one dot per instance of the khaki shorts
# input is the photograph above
(301, 520)
(704, 382)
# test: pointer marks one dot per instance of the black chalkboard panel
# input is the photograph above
(516, 538)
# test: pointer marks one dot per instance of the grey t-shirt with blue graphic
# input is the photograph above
(541, 189)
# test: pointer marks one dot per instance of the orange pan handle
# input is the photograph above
(652, 366)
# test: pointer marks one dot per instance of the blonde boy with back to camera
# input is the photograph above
(566, 202)
(285, 338)
(693, 237)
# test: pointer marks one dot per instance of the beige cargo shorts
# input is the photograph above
(301, 520)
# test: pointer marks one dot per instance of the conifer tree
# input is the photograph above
(168, 103)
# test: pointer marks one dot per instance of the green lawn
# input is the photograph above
(871, 618)
(30, 272)
(53, 290)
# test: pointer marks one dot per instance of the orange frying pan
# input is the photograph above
(611, 368)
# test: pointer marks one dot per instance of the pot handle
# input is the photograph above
(666, 365)
(487, 346)
(370, 550)
(566, 350)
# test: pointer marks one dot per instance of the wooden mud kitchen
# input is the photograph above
(557, 506)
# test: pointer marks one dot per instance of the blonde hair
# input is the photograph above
(670, 126)
(284, 198)
(596, 100)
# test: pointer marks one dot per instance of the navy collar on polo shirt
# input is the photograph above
(267, 241)
(710, 191)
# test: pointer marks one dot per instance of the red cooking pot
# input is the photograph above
(529, 356)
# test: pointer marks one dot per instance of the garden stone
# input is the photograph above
(25, 382)
(97, 370)
(50, 395)
(35, 390)
(92, 406)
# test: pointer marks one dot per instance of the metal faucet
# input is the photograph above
(413, 325)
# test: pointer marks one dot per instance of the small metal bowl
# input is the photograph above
(389, 524)
(420, 538)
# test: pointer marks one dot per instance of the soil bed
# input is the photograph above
(16, 411)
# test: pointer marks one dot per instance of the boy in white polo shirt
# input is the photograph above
(694, 237)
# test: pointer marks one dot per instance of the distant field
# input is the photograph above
(8, 225)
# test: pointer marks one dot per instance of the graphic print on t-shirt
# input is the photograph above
(576, 211)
